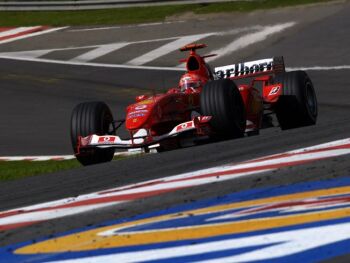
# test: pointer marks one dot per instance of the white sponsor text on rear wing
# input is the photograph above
(247, 69)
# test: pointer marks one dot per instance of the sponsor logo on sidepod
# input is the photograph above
(274, 90)
(106, 139)
(141, 107)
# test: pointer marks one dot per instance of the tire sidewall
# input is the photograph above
(91, 118)
(222, 100)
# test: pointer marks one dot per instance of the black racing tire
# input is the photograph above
(297, 106)
(222, 100)
(91, 118)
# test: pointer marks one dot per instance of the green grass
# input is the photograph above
(135, 14)
(11, 170)
(19, 169)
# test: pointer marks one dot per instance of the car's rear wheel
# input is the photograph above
(91, 118)
(297, 106)
(222, 100)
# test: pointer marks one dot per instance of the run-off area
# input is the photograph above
(292, 221)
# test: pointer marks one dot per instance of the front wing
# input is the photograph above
(142, 138)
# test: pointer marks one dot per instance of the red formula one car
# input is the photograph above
(206, 105)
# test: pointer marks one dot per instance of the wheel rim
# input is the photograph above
(311, 99)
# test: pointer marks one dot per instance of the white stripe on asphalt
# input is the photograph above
(28, 54)
(89, 64)
(321, 68)
(273, 246)
(48, 215)
(249, 39)
(166, 49)
(179, 42)
(122, 66)
(32, 55)
(32, 34)
(104, 49)
(38, 53)
(171, 183)
(99, 52)
(17, 30)
(107, 48)
(130, 26)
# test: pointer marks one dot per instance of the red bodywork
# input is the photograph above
(161, 119)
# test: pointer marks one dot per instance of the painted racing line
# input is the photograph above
(10, 34)
(250, 35)
(29, 215)
(305, 222)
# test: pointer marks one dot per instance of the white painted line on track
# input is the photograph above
(89, 64)
(68, 206)
(129, 26)
(181, 41)
(17, 30)
(28, 54)
(166, 49)
(107, 48)
(32, 34)
(27, 57)
(99, 52)
(321, 68)
(249, 39)
(41, 52)
(287, 242)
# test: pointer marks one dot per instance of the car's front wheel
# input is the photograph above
(222, 100)
(91, 118)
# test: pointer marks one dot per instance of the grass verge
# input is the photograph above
(12, 170)
(19, 169)
(136, 14)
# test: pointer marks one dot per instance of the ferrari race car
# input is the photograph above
(206, 105)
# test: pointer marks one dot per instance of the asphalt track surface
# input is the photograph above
(36, 99)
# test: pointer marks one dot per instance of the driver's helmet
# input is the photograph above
(189, 81)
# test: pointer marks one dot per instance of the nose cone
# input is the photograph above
(138, 114)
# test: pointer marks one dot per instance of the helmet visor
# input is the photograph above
(186, 84)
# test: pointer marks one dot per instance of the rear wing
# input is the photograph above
(251, 68)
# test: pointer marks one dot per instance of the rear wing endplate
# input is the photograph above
(251, 68)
